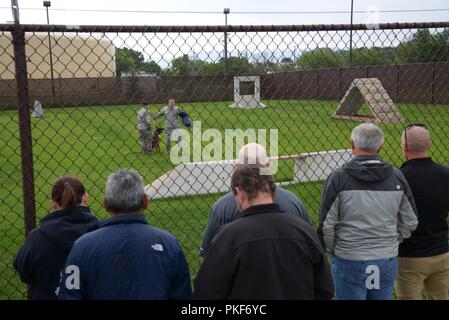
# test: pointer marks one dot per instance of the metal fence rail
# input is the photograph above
(92, 87)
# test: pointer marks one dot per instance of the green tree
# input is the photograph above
(131, 62)
(180, 65)
(322, 58)
(213, 69)
(424, 47)
(235, 66)
(287, 64)
(184, 66)
(372, 56)
(239, 65)
(286, 60)
(288, 67)
(151, 67)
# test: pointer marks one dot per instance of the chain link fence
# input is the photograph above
(287, 80)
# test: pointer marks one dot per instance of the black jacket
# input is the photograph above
(265, 255)
(429, 182)
(41, 259)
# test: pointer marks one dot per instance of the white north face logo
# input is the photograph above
(157, 247)
(398, 187)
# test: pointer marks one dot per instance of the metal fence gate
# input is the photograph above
(91, 80)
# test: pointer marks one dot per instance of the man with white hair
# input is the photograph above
(125, 258)
(423, 264)
(367, 209)
(226, 210)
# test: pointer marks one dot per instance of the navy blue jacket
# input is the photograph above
(185, 119)
(42, 257)
(126, 259)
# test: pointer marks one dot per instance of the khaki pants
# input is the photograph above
(429, 275)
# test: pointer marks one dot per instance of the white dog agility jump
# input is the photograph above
(201, 178)
(247, 92)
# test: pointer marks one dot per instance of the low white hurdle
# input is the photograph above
(248, 101)
(201, 178)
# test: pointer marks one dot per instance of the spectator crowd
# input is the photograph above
(382, 230)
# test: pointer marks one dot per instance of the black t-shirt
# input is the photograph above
(429, 182)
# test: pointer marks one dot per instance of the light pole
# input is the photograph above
(47, 4)
(15, 11)
(350, 35)
(225, 64)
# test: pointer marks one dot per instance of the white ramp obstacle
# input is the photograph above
(201, 178)
(317, 166)
(193, 179)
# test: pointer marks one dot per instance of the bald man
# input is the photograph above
(226, 210)
(423, 264)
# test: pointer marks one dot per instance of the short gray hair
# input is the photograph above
(124, 191)
(368, 137)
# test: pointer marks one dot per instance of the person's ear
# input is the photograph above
(54, 204)
(106, 205)
(380, 148)
(240, 195)
(144, 202)
(85, 198)
(352, 144)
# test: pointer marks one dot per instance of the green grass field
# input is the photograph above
(91, 142)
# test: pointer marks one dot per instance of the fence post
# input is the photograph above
(339, 84)
(285, 85)
(397, 83)
(433, 82)
(18, 39)
(60, 90)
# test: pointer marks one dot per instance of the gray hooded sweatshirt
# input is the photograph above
(367, 209)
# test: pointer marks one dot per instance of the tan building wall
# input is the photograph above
(73, 56)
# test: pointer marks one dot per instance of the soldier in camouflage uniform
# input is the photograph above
(144, 127)
(171, 113)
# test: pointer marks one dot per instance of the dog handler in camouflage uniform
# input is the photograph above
(171, 113)
(144, 127)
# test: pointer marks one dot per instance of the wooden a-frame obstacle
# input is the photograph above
(368, 90)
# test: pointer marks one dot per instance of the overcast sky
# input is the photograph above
(163, 48)
(60, 12)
